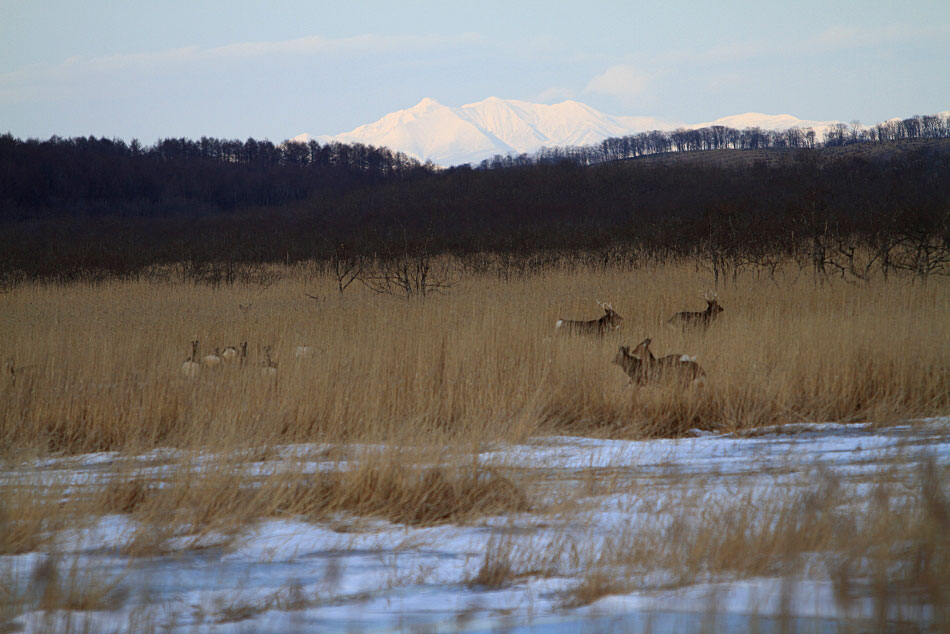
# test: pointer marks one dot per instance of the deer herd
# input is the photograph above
(233, 355)
(639, 363)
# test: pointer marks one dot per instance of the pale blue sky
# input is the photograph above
(276, 69)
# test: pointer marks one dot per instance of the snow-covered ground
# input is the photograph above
(291, 575)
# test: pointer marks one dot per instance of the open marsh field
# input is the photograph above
(99, 367)
(454, 464)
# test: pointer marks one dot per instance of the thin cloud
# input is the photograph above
(194, 56)
(623, 81)
(553, 94)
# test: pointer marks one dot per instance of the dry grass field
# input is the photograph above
(399, 400)
(99, 367)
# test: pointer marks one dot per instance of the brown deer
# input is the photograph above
(191, 367)
(233, 353)
(630, 364)
(700, 320)
(269, 366)
(677, 367)
(610, 321)
(642, 367)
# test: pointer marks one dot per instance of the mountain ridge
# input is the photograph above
(472, 132)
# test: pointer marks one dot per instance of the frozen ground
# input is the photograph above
(297, 576)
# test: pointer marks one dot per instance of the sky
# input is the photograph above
(233, 69)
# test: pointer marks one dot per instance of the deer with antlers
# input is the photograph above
(610, 321)
(701, 319)
(642, 367)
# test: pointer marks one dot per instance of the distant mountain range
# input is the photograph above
(470, 133)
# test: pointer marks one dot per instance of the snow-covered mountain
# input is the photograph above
(767, 122)
(470, 133)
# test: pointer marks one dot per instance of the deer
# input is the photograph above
(269, 366)
(679, 367)
(191, 367)
(642, 367)
(610, 321)
(701, 319)
(630, 364)
(213, 360)
(232, 353)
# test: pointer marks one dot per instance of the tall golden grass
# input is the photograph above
(98, 366)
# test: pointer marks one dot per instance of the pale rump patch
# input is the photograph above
(190, 368)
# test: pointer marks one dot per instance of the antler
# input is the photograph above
(711, 296)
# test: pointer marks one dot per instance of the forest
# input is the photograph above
(97, 208)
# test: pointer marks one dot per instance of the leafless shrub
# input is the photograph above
(408, 276)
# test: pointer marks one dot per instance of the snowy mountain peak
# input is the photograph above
(445, 135)
(428, 103)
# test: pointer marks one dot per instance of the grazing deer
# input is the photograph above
(673, 367)
(10, 369)
(191, 367)
(232, 353)
(700, 319)
(213, 360)
(610, 321)
(269, 367)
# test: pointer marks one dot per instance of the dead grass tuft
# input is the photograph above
(499, 567)
(403, 493)
(31, 515)
(890, 545)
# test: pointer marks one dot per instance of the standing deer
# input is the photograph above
(269, 366)
(677, 368)
(610, 321)
(233, 353)
(700, 319)
(630, 364)
(191, 367)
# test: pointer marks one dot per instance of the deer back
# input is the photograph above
(681, 367)
(610, 321)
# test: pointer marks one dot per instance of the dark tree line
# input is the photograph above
(87, 206)
(108, 177)
(723, 138)
(848, 216)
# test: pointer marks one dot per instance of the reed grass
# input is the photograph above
(887, 545)
(94, 367)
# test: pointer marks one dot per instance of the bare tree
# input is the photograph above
(411, 273)
(347, 268)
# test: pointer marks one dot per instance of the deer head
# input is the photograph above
(611, 320)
